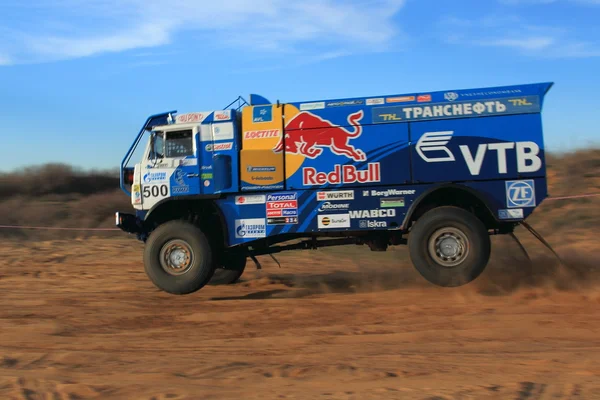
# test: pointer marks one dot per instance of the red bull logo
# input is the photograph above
(307, 134)
(345, 174)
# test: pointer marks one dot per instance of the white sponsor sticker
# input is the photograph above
(334, 221)
(336, 196)
(251, 199)
(312, 106)
(250, 228)
(515, 213)
(375, 102)
(222, 115)
(222, 131)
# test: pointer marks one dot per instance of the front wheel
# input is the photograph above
(178, 258)
(233, 266)
(449, 246)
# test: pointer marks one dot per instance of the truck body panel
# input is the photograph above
(358, 164)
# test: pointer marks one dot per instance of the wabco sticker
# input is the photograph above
(154, 177)
(251, 199)
(336, 196)
(372, 213)
(520, 193)
(513, 213)
(334, 221)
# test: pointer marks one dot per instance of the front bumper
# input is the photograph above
(128, 223)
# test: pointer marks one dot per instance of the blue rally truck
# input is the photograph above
(439, 171)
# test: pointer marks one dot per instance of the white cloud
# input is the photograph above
(78, 28)
(512, 32)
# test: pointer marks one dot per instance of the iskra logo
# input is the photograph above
(520, 194)
(432, 147)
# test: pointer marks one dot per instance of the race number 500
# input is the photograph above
(155, 191)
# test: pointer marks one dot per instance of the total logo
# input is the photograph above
(431, 144)
(327, 206)
(342, 174)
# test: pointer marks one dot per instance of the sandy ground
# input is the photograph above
(80, 320)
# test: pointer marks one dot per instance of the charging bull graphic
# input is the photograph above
(306, 135)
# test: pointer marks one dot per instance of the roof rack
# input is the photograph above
(240, 101)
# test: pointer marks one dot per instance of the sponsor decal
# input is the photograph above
(223, 115)
(204, 167)
(154, 177)
(520, 194)
(250, 228)
(262, 178)
(264, 134)
(334, 221)
(400, 99)
(208, 175)
(435, 143)
(375, 102)
(391, 192)
(513, 213)
(207, 183)
(190, 117)
(250, 199)
(219, 146)
(307, 134)
(363, 224)
(262, 114)
(459, 109)
(312, 106)
(282, 205)
(181, 187)
(491, 93)
(250, 168)
(327, 206)
(354, 214)
(424, 98)
(282, 221)
(343, 103)
(451, 96)
(137, 195)
(392, 202)
(336, 196)
(342, 174)
(188, 162)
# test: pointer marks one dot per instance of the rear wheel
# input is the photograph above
(449, 246)
(178, 258)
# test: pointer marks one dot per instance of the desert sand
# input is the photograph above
(79, 319)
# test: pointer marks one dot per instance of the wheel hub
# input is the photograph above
(448, 247)
(176, 257)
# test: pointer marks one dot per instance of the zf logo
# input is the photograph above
(520, 194)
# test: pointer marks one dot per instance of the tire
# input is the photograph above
(186, 241)
(230, 272)
(462, 263)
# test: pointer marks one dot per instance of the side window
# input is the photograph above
(179, 144)
(158, 147)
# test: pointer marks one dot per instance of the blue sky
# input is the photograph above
(79, 77)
